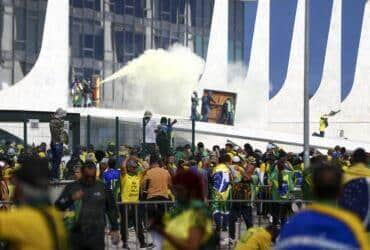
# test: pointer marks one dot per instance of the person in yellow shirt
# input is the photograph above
(323, 124)
(359, 167)
(132, 171)
(257, 238)
(34, 224)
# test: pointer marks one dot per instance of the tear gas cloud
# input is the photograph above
(161, 80)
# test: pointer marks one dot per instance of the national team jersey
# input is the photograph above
(130, 187)
(111, 178)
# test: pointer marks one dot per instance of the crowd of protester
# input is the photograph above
(84, 93)
(211, 189)
(206, 191)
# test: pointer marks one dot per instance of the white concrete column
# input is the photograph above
(357, 105)
(328, 95)
(255, 100)
(45, 87)
(355, 116)
(215, 71)
(286, 107)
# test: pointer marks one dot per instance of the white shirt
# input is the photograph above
(150, 128)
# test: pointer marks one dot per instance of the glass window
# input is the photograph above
(231, 51)
(32, 46)
(208, 12)
(98, 5)
(238, 52)
(89, 4)
(129, 7)
(20, 29)
(231, 19)
(88, 49)
(119, 6)
(129, 42)
(198, 45)
(76, 41)
(119, 49)
(193, 7)
(77, 3)
(236, 30)
(156, 9)
(239, 21)
(205, 46)
(157, 42)
(139, 8)
(89, 41)
(174, 11)
(165, 42)
(166, 10)
(139, 44)
(99, 46)
(88, 73)
(181, 12)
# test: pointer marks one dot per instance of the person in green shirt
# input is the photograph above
(282, 186)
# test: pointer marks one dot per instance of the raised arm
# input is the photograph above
(124, 167)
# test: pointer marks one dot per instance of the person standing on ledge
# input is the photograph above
(194, 106)
(206, 105)
(58, 137)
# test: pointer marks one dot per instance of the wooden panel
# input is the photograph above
(216, 108)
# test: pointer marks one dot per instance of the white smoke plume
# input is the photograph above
(252, 94)
(161, 80)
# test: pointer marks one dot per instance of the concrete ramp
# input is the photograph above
(212, 134)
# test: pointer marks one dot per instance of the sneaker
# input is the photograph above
(146, 246)
(228, 241)
(125, 246)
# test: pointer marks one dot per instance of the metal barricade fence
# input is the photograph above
(134, 217)
(139, 212)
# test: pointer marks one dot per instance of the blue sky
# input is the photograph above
(282, 18)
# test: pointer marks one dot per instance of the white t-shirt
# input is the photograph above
(150, 135)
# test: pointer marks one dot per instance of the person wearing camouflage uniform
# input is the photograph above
(58, 137)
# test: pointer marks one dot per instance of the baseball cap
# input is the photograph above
(236, 159)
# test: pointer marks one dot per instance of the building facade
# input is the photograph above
(106, 34)
(21, 31)
(86, 37)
